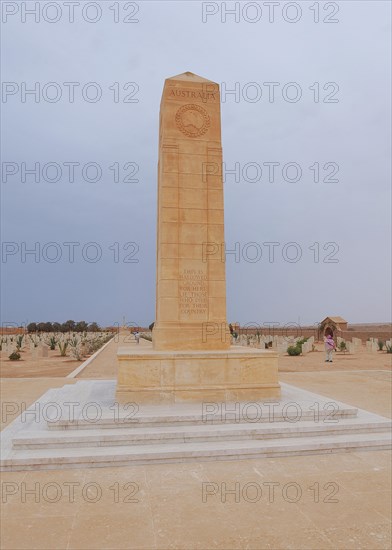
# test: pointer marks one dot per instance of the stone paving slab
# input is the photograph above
(161, 505)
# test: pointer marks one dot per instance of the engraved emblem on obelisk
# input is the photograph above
(191, 359)
(192, 120)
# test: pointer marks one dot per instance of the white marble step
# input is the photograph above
(180, 452)
(86, 393)
(115, 418)
(182, 434)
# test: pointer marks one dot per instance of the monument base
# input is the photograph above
(194, 336)
(146, 375)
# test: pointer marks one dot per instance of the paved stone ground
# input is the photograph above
(333, 501)
(105, 364)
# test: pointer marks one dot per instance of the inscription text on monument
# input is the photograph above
(193, 296)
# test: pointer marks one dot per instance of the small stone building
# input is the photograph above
(332, 325)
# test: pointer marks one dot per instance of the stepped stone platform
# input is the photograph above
(81, 425)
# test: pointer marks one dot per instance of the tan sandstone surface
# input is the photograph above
(344, 502)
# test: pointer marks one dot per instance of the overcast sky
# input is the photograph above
(330, 106)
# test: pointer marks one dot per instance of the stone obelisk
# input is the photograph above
(191, 358)
(191, 286)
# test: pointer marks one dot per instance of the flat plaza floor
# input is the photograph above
(312, 502)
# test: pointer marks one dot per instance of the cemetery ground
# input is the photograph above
(317, 501)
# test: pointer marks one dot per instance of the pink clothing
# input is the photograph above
(329, 343)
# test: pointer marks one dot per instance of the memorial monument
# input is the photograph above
(191, 357)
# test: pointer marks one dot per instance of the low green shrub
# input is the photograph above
(294, 350)
(380, 345)
(15, 356)
(52, 342)
(342, 346)
(63, 348)
(19, 341)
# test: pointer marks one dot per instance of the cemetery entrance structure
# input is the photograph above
(333, 326)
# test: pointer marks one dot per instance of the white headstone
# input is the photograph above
(371, 346)
(282, 348)
(351, 348)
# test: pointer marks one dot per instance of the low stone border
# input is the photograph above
(81, 367)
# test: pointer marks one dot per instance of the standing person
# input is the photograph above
(329, 345)
(137, 336)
